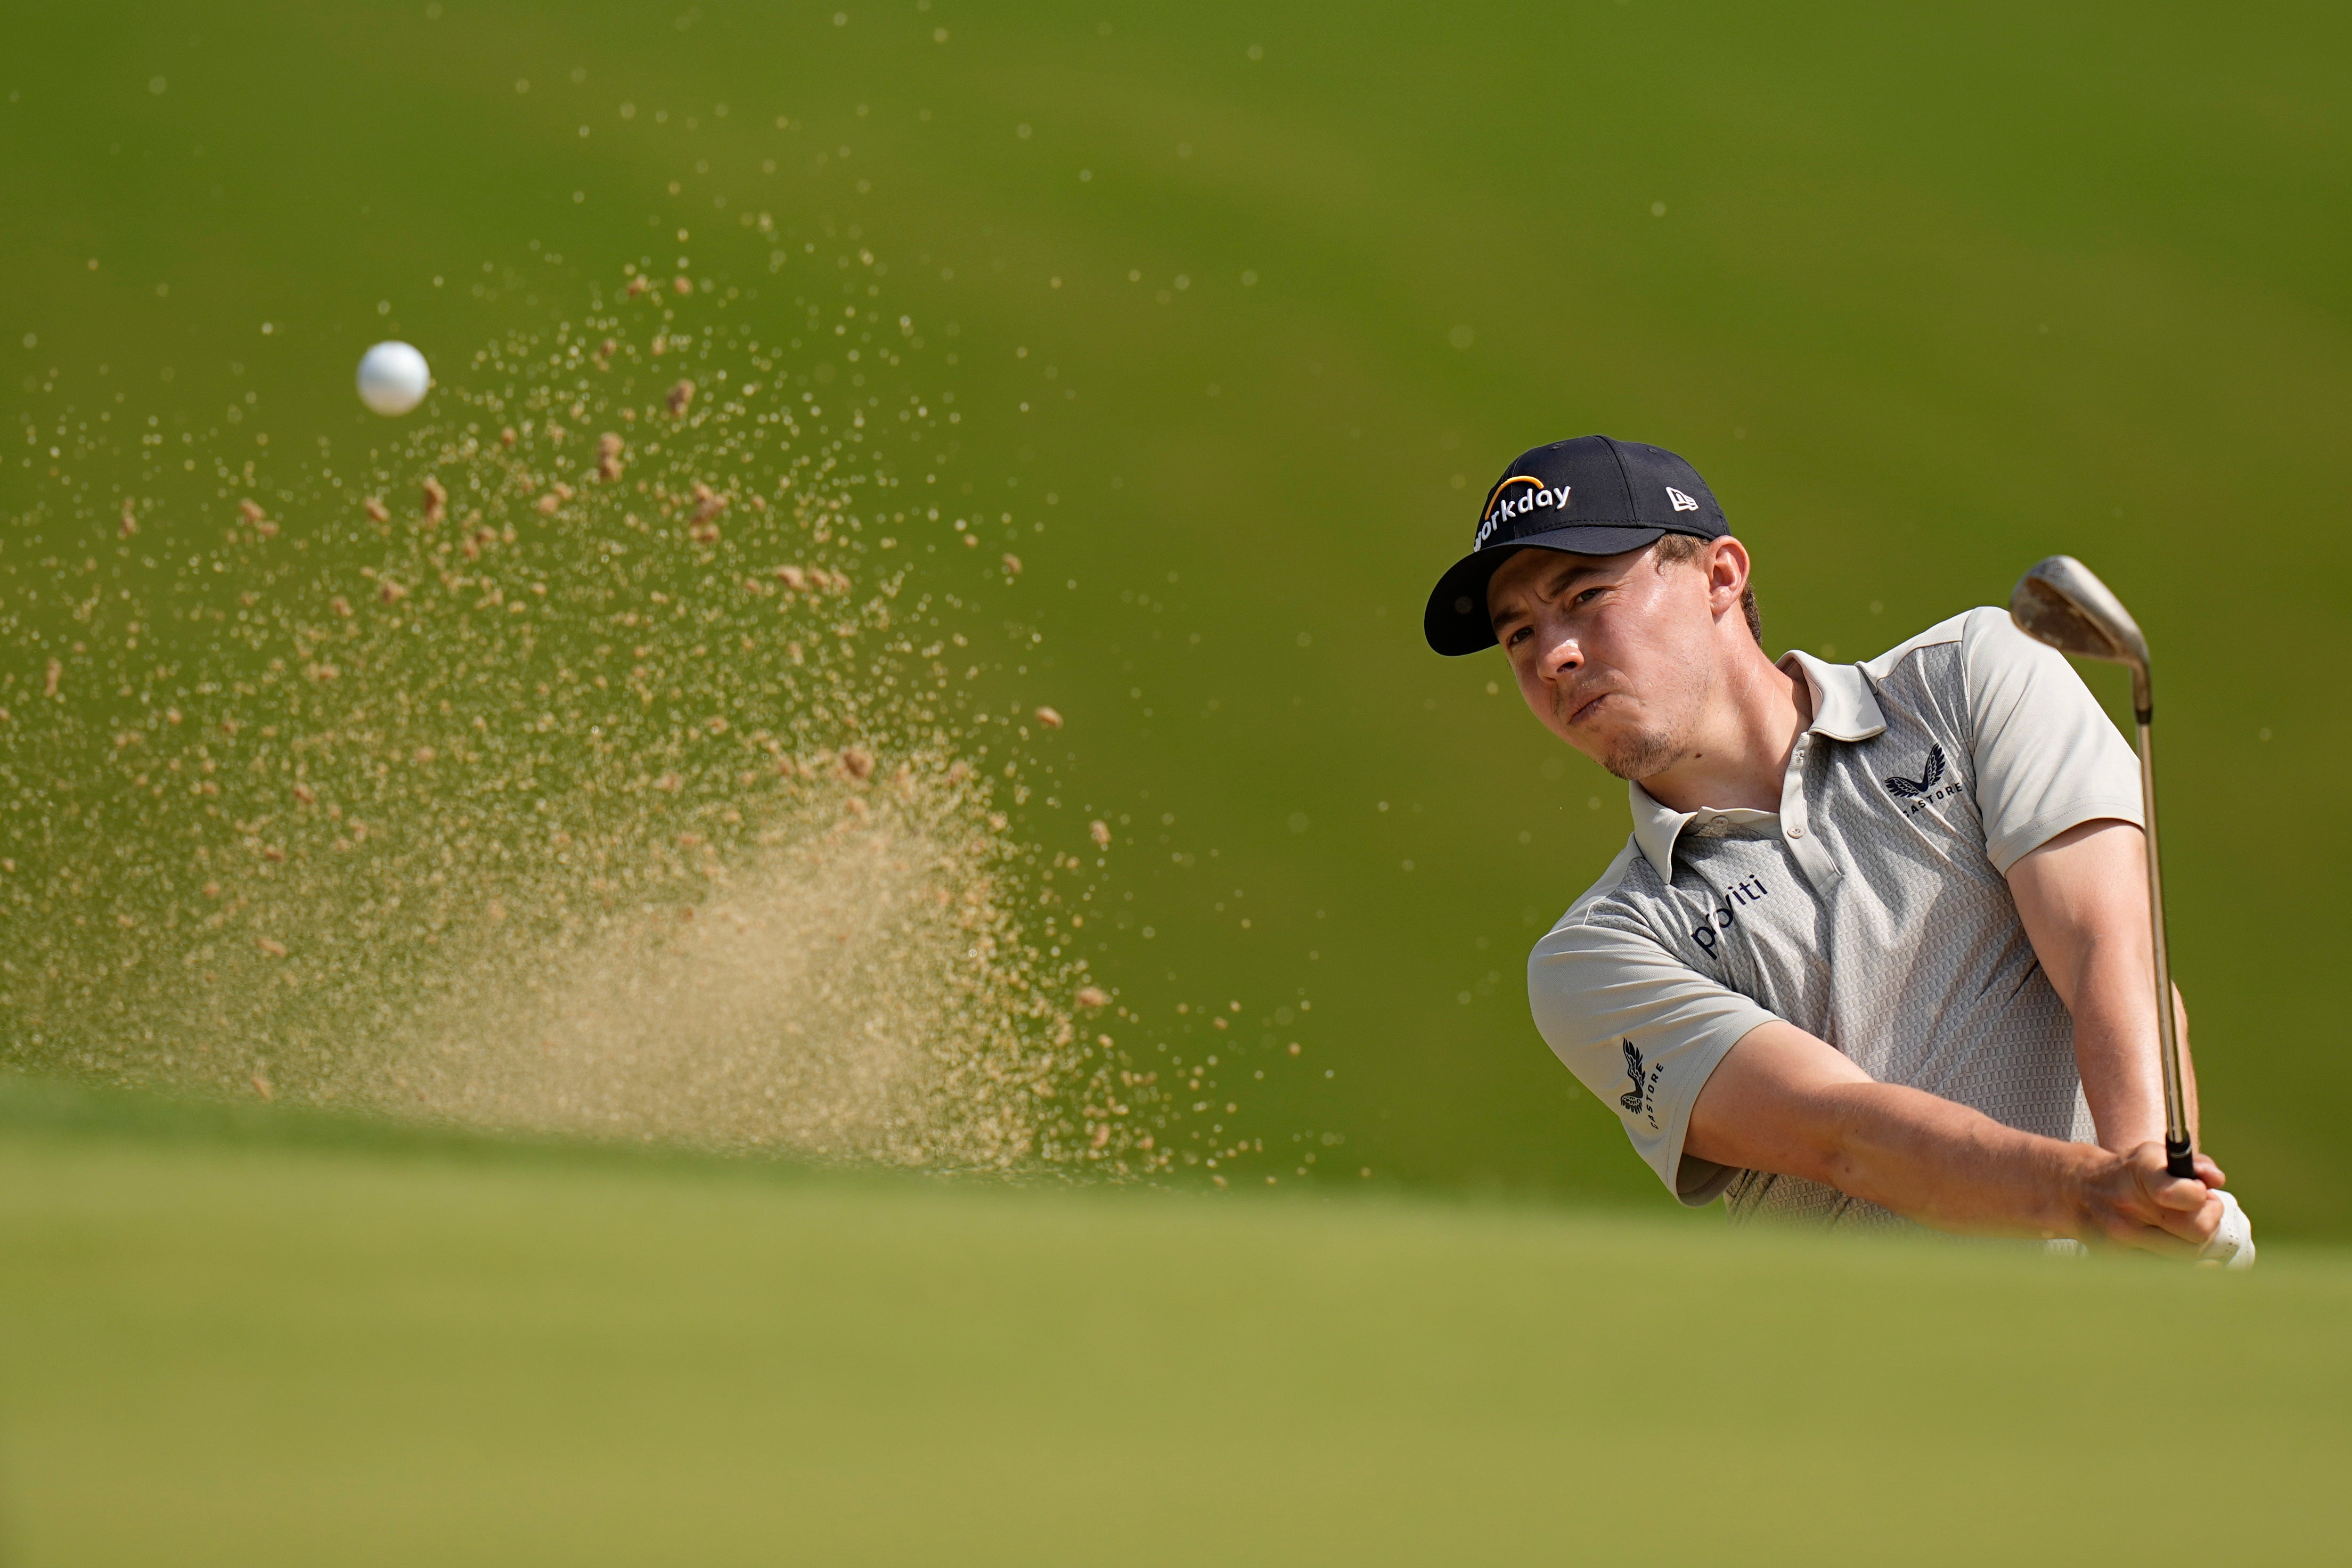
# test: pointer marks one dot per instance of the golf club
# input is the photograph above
(2061, 603)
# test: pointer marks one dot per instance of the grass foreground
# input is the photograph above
(258, 1336)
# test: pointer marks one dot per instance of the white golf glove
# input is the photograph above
(2232, 1246)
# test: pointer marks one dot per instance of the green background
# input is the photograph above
(1931, 296)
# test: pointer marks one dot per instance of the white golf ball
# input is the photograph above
(393, 378)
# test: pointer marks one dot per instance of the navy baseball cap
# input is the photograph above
(1590, 494)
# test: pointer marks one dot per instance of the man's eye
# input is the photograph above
(1588, 595)
(1518, 635)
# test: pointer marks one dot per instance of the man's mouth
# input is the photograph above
(1588, 707)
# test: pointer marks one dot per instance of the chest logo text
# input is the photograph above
(1745, 891)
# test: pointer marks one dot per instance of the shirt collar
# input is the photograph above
(1655, 829)
(1844, 709)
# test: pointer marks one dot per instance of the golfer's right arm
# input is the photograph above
(1782, 1100)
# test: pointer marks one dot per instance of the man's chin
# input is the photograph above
(1615, 737)
(1637, 755)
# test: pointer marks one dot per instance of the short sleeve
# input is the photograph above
(1643, 1031)
(2046, 756)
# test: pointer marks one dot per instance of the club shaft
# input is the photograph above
(2179, 1148)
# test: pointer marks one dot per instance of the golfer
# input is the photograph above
(1877, 952)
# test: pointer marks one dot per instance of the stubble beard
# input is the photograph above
(1640, 753)
(1646, 749)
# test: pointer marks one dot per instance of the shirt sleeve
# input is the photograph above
(2046, 756)
(1643, 1031)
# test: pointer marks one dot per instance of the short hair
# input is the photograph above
(1681, 549)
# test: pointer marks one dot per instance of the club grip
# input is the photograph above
(2179, 1159)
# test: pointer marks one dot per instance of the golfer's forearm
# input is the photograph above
(2115, 1043)
(2082, 900)
(1945, 1165)
(1786, 1101)
(2115, 1050)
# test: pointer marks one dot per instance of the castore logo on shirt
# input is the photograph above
(1640, 1099)
(1925, 790)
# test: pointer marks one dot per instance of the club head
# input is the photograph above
(2061, 603)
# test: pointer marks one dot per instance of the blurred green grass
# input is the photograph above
(245, 1337)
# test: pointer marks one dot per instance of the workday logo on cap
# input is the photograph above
(1507, 502)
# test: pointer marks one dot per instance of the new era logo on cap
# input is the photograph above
(1591, 496)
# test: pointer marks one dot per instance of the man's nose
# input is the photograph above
(1565, 658)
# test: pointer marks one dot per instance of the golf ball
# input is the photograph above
(393, 378)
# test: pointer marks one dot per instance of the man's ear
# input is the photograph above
(1726, 575)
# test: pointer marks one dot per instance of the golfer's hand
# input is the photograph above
(2130, 1200)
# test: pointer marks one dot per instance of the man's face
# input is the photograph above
(1616, 654)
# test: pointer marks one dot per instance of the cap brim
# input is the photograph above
(1456, 621)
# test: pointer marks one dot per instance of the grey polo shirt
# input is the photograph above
(1871, 910)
